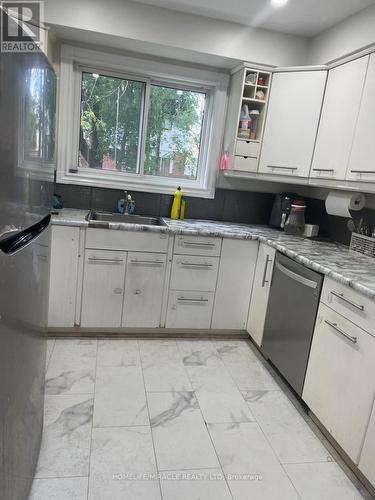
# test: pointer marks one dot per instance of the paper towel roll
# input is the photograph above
(340, 202)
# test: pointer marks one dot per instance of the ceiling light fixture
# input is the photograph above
(278, 3)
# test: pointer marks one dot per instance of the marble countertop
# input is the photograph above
(332, 259)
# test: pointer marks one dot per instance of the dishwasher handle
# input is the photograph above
(296, 277)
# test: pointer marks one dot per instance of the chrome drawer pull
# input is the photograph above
(323, 170)
(363, 171)
(199, 244)
(136, 261)
(112, 261)
(264, 281)
(284, 168)
(182, 299)
(344, 334)
(348, 301)
(195, 264)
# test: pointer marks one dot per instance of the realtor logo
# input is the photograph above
(21, 26)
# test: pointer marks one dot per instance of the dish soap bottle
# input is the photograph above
(176, 205)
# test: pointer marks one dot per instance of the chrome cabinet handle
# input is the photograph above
(264, 281)
(198, 244)
(183, 299)
(323, 169)
(338, 329)
(112, 261)
(348, 301)
(363, 171)
(195, 264)
(284, 168)
(136, 261)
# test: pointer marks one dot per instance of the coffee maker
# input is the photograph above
(281, 209)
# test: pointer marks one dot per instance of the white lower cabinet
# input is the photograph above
(260, 293)
(367, 459)
(339, 386)
(234, 284)
(189, 309)
(145, 274)
(63, 276)
(103, 288)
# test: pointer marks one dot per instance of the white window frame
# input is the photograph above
(75, 60)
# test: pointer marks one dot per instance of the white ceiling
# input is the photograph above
(299, 17)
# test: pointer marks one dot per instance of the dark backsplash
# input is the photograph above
(231, 206)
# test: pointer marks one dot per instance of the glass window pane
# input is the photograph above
(174, 132)
(111, 111)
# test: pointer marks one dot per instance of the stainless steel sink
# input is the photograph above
(95, 216)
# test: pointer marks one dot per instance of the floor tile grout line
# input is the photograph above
(92, 421)
(50, 356)
(206, 426)
(45, 478)
(149, 418)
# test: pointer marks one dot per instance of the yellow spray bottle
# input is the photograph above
(176, 205)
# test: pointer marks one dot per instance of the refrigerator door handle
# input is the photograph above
(16, 241)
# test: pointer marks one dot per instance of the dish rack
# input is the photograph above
(363, 244)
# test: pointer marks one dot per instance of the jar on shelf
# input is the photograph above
(295, 223)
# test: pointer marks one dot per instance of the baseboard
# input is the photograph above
(147, 333)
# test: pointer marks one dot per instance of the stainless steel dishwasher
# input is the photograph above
(290, 320)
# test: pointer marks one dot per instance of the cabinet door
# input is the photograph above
(367, 459)
(362, 160)
(292, 123)
(145, 274)
(103, 288)
(339, 385)
(261, 290)
(234, 284)
(337, 123)
(63, 276)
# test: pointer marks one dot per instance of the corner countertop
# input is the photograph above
(331, 259)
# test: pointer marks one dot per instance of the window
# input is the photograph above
(111, 114)
(174, 131)
(138, 124)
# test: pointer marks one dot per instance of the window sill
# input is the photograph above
(147, 184)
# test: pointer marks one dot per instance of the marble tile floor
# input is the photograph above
(171, 419)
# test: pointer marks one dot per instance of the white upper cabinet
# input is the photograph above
(362, 160)
(292, 122)
(337, 123)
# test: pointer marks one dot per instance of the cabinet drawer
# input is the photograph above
(113, 239)
(349, 303)
(245, 163)
(197, 245)
(189, 309)
(339, 386)
(194, 273)
(247, 148)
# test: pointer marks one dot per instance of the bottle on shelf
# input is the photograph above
(244, 127)
(254, 115)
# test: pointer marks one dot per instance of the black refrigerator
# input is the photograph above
(27, 131)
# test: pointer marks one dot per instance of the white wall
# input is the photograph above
(145, 23)
(355, 33)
